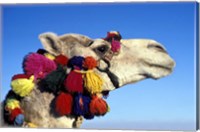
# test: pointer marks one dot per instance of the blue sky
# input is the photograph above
(167, 103)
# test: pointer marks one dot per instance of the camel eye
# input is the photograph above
(102, 49)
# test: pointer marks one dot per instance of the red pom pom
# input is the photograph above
(98, 106)
(20, 76)
(90, 62)
(14, 114)
(74, 82)
(63, 104)
(61, 59)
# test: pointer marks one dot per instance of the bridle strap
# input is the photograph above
(113, 78)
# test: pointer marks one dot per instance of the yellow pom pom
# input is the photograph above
(49, 56)
(31, 125)
(12, 104)
(93, 82)
(23, 86)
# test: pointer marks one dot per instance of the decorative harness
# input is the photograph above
(78, 93)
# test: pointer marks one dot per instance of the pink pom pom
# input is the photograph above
(115, 46)
(38, 65)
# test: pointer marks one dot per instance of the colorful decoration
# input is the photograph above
(22, 86)
(81, 104)
(114, 38)
(12, 104)
(19, 120)
(92, 81)
(38, 65)
(14, 113)
(63, 104)
(98, 106)
(61, 59)
(74, 80)
(53, 82)
(46, 54)
(77, 93)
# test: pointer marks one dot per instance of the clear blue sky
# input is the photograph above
(168, 103)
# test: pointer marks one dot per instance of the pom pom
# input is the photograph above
(76, 61)
(63, 104)
(12, 104)
(12, 95)
(74, 81)
(19, 120)
(61, 59)
(113, 35)
(93, 82)
(41, 51)
(81, 105)
(98, 106)
(23, 86)
(19, 76)
(53, 82)
(14, 114)
(89, 116)
(115, 46)
(38, 65)
(90, 62)
(30, 125)
(46, 54)
(49, 56)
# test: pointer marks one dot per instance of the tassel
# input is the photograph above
(76, 61)
(41, 51)
(61, 59)
(38, 65)
(12, 104)
(46, 54)
(53, 82)
(98, 106)
(74, 81)
(22, 86)
(115, 46)
(49, 56)
(89, 116)
(81, 105)
(90, 63)
(14, 114)
(92, 81)
(20, 76)
(63, 104)
(19, 120)
(31, 125)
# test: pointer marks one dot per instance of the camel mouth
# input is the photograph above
(161, 70)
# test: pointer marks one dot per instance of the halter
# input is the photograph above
(113, 78)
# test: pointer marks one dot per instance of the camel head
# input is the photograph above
(138, 59)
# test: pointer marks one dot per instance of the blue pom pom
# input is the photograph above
(88, 116)
(19, 120)
(81, 104)
(76, 61)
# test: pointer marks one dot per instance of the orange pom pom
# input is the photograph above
(90, 62)
(98, 106)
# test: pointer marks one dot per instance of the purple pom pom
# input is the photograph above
(81, 104)
(76, 61)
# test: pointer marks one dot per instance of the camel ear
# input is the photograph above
(51, 43)
(76, 38)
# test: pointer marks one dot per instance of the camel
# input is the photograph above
(137, 60)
